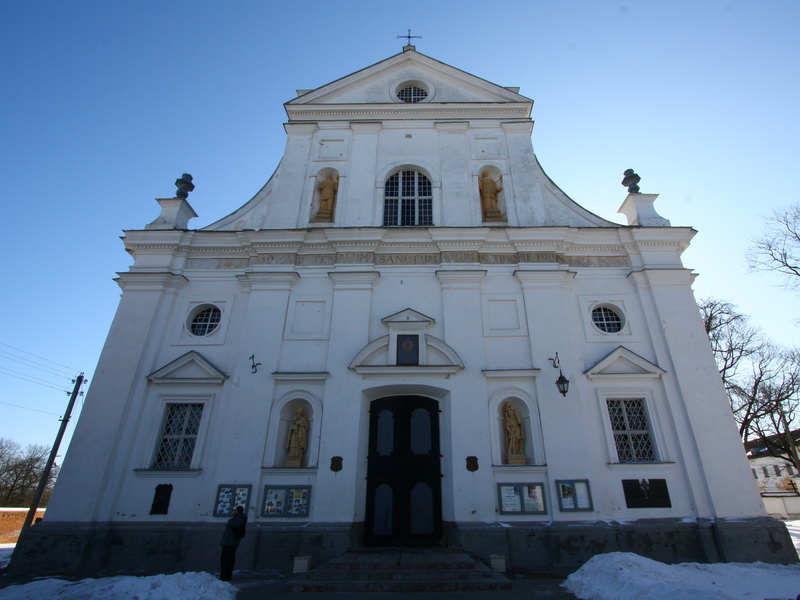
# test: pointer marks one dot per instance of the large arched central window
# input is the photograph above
(407, 200)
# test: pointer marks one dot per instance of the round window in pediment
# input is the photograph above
(412, 93)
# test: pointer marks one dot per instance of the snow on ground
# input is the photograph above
(180, 586)
(626, 576)
(613, 576)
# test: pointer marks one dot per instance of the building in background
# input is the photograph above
(409, 336)
(775, 476)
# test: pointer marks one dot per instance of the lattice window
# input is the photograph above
(176, 443)
(607, 320)
(412, 93)
(631, 430)
(407, 200)
(205, 320)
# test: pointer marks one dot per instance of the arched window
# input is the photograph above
(407, 200)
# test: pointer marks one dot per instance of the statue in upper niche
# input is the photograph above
(489, 189)
(327, 192)
(327, 198)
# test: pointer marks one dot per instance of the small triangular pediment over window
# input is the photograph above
(191, 368)
(432, 357)
(407, 318)
(623, 363)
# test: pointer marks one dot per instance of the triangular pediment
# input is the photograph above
(376, 84)
(379, 357)
(407, 316)
(190, 368)
(623, 363)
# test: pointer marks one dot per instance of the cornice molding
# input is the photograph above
(423, 111)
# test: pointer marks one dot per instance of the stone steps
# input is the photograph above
(406, 570)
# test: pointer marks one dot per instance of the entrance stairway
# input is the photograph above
(401, 570)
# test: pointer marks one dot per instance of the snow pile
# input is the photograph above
(180, 586)
(627, 576)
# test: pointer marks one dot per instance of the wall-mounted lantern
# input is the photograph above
(562, 383)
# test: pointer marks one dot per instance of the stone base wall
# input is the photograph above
(560, 547)
(565, 546)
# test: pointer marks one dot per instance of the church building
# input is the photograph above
(410, 336)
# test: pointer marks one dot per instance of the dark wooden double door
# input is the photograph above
(404, 491)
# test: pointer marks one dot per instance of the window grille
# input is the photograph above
(407, 200)
(606, 319)
(631, 430)
(178, 436)
(412, 93)
(206, 321)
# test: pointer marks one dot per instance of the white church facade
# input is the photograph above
(366, 354)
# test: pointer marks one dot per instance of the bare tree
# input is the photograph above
(732, 338)
(778, 247)
(20, 472)
(762, 380)
(774, 391)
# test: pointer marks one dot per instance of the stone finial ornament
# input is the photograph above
(184, 185)
(631, 181)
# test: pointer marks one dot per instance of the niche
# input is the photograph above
(326, 192)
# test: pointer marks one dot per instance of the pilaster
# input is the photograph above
(715, 461)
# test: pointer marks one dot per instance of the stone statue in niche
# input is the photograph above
(297, 439)
(515, 436)
(327, 199)
(489, 190)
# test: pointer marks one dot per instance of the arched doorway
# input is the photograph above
(404, 492)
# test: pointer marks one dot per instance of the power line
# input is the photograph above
(29, 408)
(31, 379)
(30, 363)
(69, 369)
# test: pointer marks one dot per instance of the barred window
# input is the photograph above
(176, 443)
(607, 320)
(407, 200)
(204, 320)
(631, 430)
(412, 93)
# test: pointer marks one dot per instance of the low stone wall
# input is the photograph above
(81, 549)
(11, 521)
(782, 507)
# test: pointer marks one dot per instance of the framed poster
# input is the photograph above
(286, 501)
(231, 496)
(574, 495)
(521, 498)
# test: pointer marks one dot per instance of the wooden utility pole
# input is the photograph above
(37, 497)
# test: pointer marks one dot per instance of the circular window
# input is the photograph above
(204, 320)
(607, 319)
(412, 93)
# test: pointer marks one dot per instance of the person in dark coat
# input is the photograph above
(234, 532)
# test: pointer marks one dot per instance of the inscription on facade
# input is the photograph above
(407, 259)
(499, 259)
(459, 257)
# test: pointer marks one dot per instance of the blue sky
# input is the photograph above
(105, 104)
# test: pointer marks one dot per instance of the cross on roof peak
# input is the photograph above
(409, 37)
